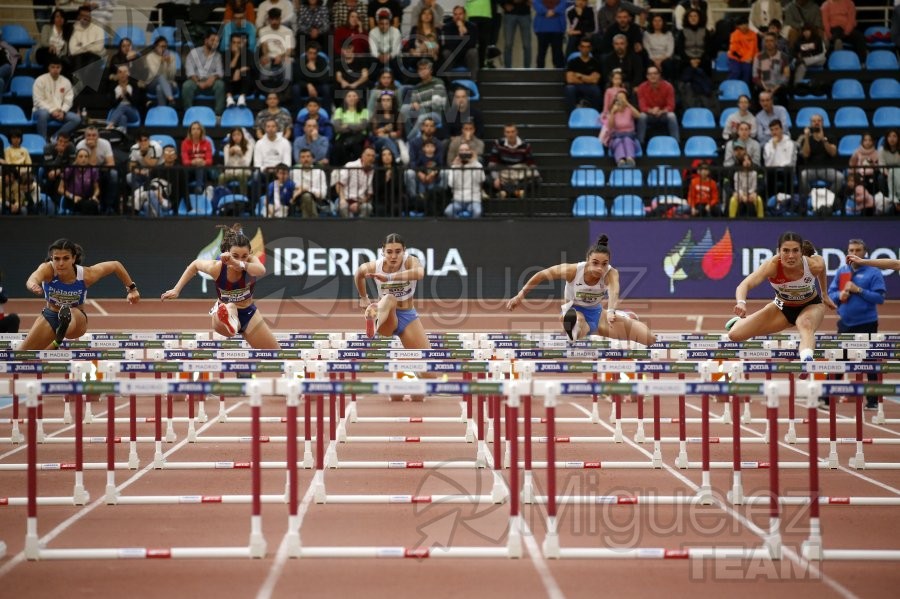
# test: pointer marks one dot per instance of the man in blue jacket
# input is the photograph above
(858, 291)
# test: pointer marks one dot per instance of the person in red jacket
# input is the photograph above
(656, 101)
(197, 153)
(703, 195)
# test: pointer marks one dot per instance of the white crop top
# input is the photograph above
(579, 293)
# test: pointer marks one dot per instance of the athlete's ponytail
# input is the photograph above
(233, 236)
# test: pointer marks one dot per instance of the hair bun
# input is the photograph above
(603, 240)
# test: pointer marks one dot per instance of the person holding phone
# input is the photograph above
(818, 152)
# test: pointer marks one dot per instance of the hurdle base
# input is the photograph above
(2, 549)
(80, 496)
(811, 548)
(857, 462)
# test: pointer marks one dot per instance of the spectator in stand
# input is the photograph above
(479, 13)
(52, 96)
(799, 13)
(17, 183)
(839, 24)
(809, 51)
(580, 24)
(354, 186)
(385, 43)
(128, 56)
(745, 181)
(315, 112)
(273, 111)
(459, 44)
(623, 60)
(239, 73)
(260, 15)
(770, 112)
(428, 99)
(351, 123)
(763, 12)
(702, 8)
(743, 46)
(775, 28)
(375, 8)
(696, 87)
(384, 82)
(615, 86)
(512, 165)
(197, 155)
(550, 29)
(240, 6)
(466, 178)
(583, 79)
(270, 151)
(467, 137)
(144, 155)
(889, 158)
(517, 16)
(126, 98)
(751, 147)
(276, 46)
(279, 193)
(780, 159)
(858, 200)
(460, 112)
(618, 133)
(204, 72)
(772, 70)
(817, 152)
(86, 43)
(313, 141)
(312, 77)
(424, 39)
(352, 71)
(172, 173)
(238, 157)
(351, 33)
(435, 7)
(606, 13)
(313, 24)
(387, 185)
(340, 15)
(623, 26)
(386, 125)
(693, 40)
(703, 195)
(100, 154)
(864, 162)
(238, 25)
(54, 39)
(310, 188)
(656, 101)
(424, 179)
(161, 72)
(80, 185)
(660, 45)
(57, 155)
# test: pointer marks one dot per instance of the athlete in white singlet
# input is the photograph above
(588, 284)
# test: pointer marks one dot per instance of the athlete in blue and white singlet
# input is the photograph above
(588, 285)
(63, 282)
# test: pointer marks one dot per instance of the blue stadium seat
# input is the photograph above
(17, 36)
(847, 89)
(701, 146)
(882, 60)
(161, 116)
(844, 60)
(698, 118)
(136, 34)
(878, 36)
(34, 143)
(664, 146)
(136, 123)
(21, 86)
(731, 89)
(470, 86)
(664, 176)
(628, 206)
(721, 62)
(851, 117)
(589, 206)
(584, 118)
(886, 116)
(586, 146)
(804, 114)
(625, 177)
(164, 140)
(885, 89)
(203, 114)
(237, 116)
(13, 116)
(723, 116)
(301, 116)
(848, 145)
(588, 176)
(167, 32)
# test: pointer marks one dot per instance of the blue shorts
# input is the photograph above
(244, 316)
(52, 317)
(404, 317)
(591, 316)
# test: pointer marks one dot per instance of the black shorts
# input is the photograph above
(792, 312)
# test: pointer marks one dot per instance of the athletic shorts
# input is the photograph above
(52, 317)
(591, 316)
(792, 312)
(404, 317)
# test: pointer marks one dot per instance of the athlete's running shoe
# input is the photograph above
(569, 321)
(65, 319)
(371, 313)
(225, 317)
(731, 322)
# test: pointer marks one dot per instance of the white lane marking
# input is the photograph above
(98, 307)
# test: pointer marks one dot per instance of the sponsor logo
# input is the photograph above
(691, 260)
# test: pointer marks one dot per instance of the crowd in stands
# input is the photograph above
(319, 107)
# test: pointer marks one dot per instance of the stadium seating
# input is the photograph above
(587, 176)
(137, 35)
(664, 176)
(161, 116)
(589, 206)
(13, 116)
(584, 118)
(164, 140)
(805, 113)
(167, 32)
(628, 205)
(470, 86)
(698, 118)
(17, 36)
(34, 143)
(731, 89)
(21, 86)
(726, 112)
(885, 89)
(847, 89)
(850, 117)
(237, 116)
(663, 146)
(848, 145)
(882, 60)
(136, 123)
(587, 146)
(203, 114)
(701, 146)
(844, 60)
(886, 116)
(625, 177)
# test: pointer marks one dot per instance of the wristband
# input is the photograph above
(744, 302)
(243, 265)
(391, 276)
(132, 287)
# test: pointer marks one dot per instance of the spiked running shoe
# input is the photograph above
(231, 322)
(65, 319)
(731, 322)
(371, 312)
(569, 321)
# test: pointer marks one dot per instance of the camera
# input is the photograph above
(815, 130)
(465, 156)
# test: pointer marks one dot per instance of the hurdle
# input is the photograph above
(256, 547)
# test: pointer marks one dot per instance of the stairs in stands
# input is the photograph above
(533, 96)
